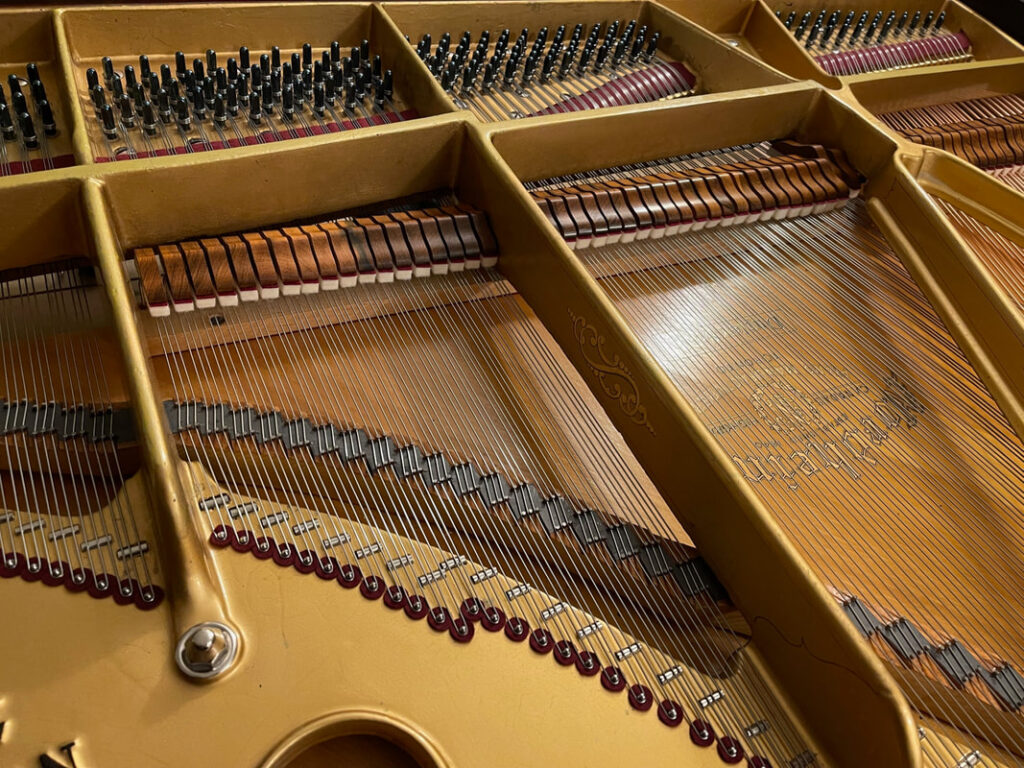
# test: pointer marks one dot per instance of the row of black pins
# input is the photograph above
(560, 55)
(263, 88)
(879, 27)
(18, 106)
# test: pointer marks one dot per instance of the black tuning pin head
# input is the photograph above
(97, 94)
(38, 91)
(296, 62)
(243, 58)
(232, 69)
(92, 78)
(211, 60)
(335, 52)
(220, 111)
(364, 50)
(124, 104)
(139, 96)
(199, 68)
(927, 21)
(350, 95)
(129, 79)
(144, 68)
(939, 21)
(275, 82)
(166, 77)
(264, 67)
(255, 110)
(28, 130)
(6, 124)
(914, 22)
(902, 21)
(148, 118)
(108, 68)
(32, 71)
(117, 86)
(184, 118)
(300, 93)
(14, 83)
(163, 100)
(268, 97)
(209, 91)
(242, 86)
(46, 116)
(329, 87)
(179, 65)
(154, 83)
(387, 85)
(232, 99)
(319, 98)
(307, 55)
(198, 103)
(108, 122)
(275, 58)
(287, 73)
(318, 70)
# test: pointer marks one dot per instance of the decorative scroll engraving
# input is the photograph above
(611, 372)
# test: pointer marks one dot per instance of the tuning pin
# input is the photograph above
(601, 57)
(232, 99)
(6, 125)
(209, 91)
(335, 52)
(275, 58)
(242, 86)
(939, 21)
(129, 79)
(154, 83)
(488, 77)
(300, 93)
(92, 78)
(350, 96)
(38, 91)
(28, 131)
(232, 71)
(255, 111)
(108, 68)
(180, 67)
(107, 122)
(163, 101)
(812, 36)
(330, 87)
(620, 51)
(47, 119)
(200, 69)
(144, 68)
(184, 119)
(32, 71)
(268, 97)
(14, 83)
(296, 64)
(220, 112)
(927, 22)
(148, 118)
(859, 27)
(914, 22)
(117, 86)
(275, 83)
(613, 32)
(124, 104)
(198, 103)
(96, 93)
(139, 96)
(319, 98)
(638, 44)
(165, 75)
